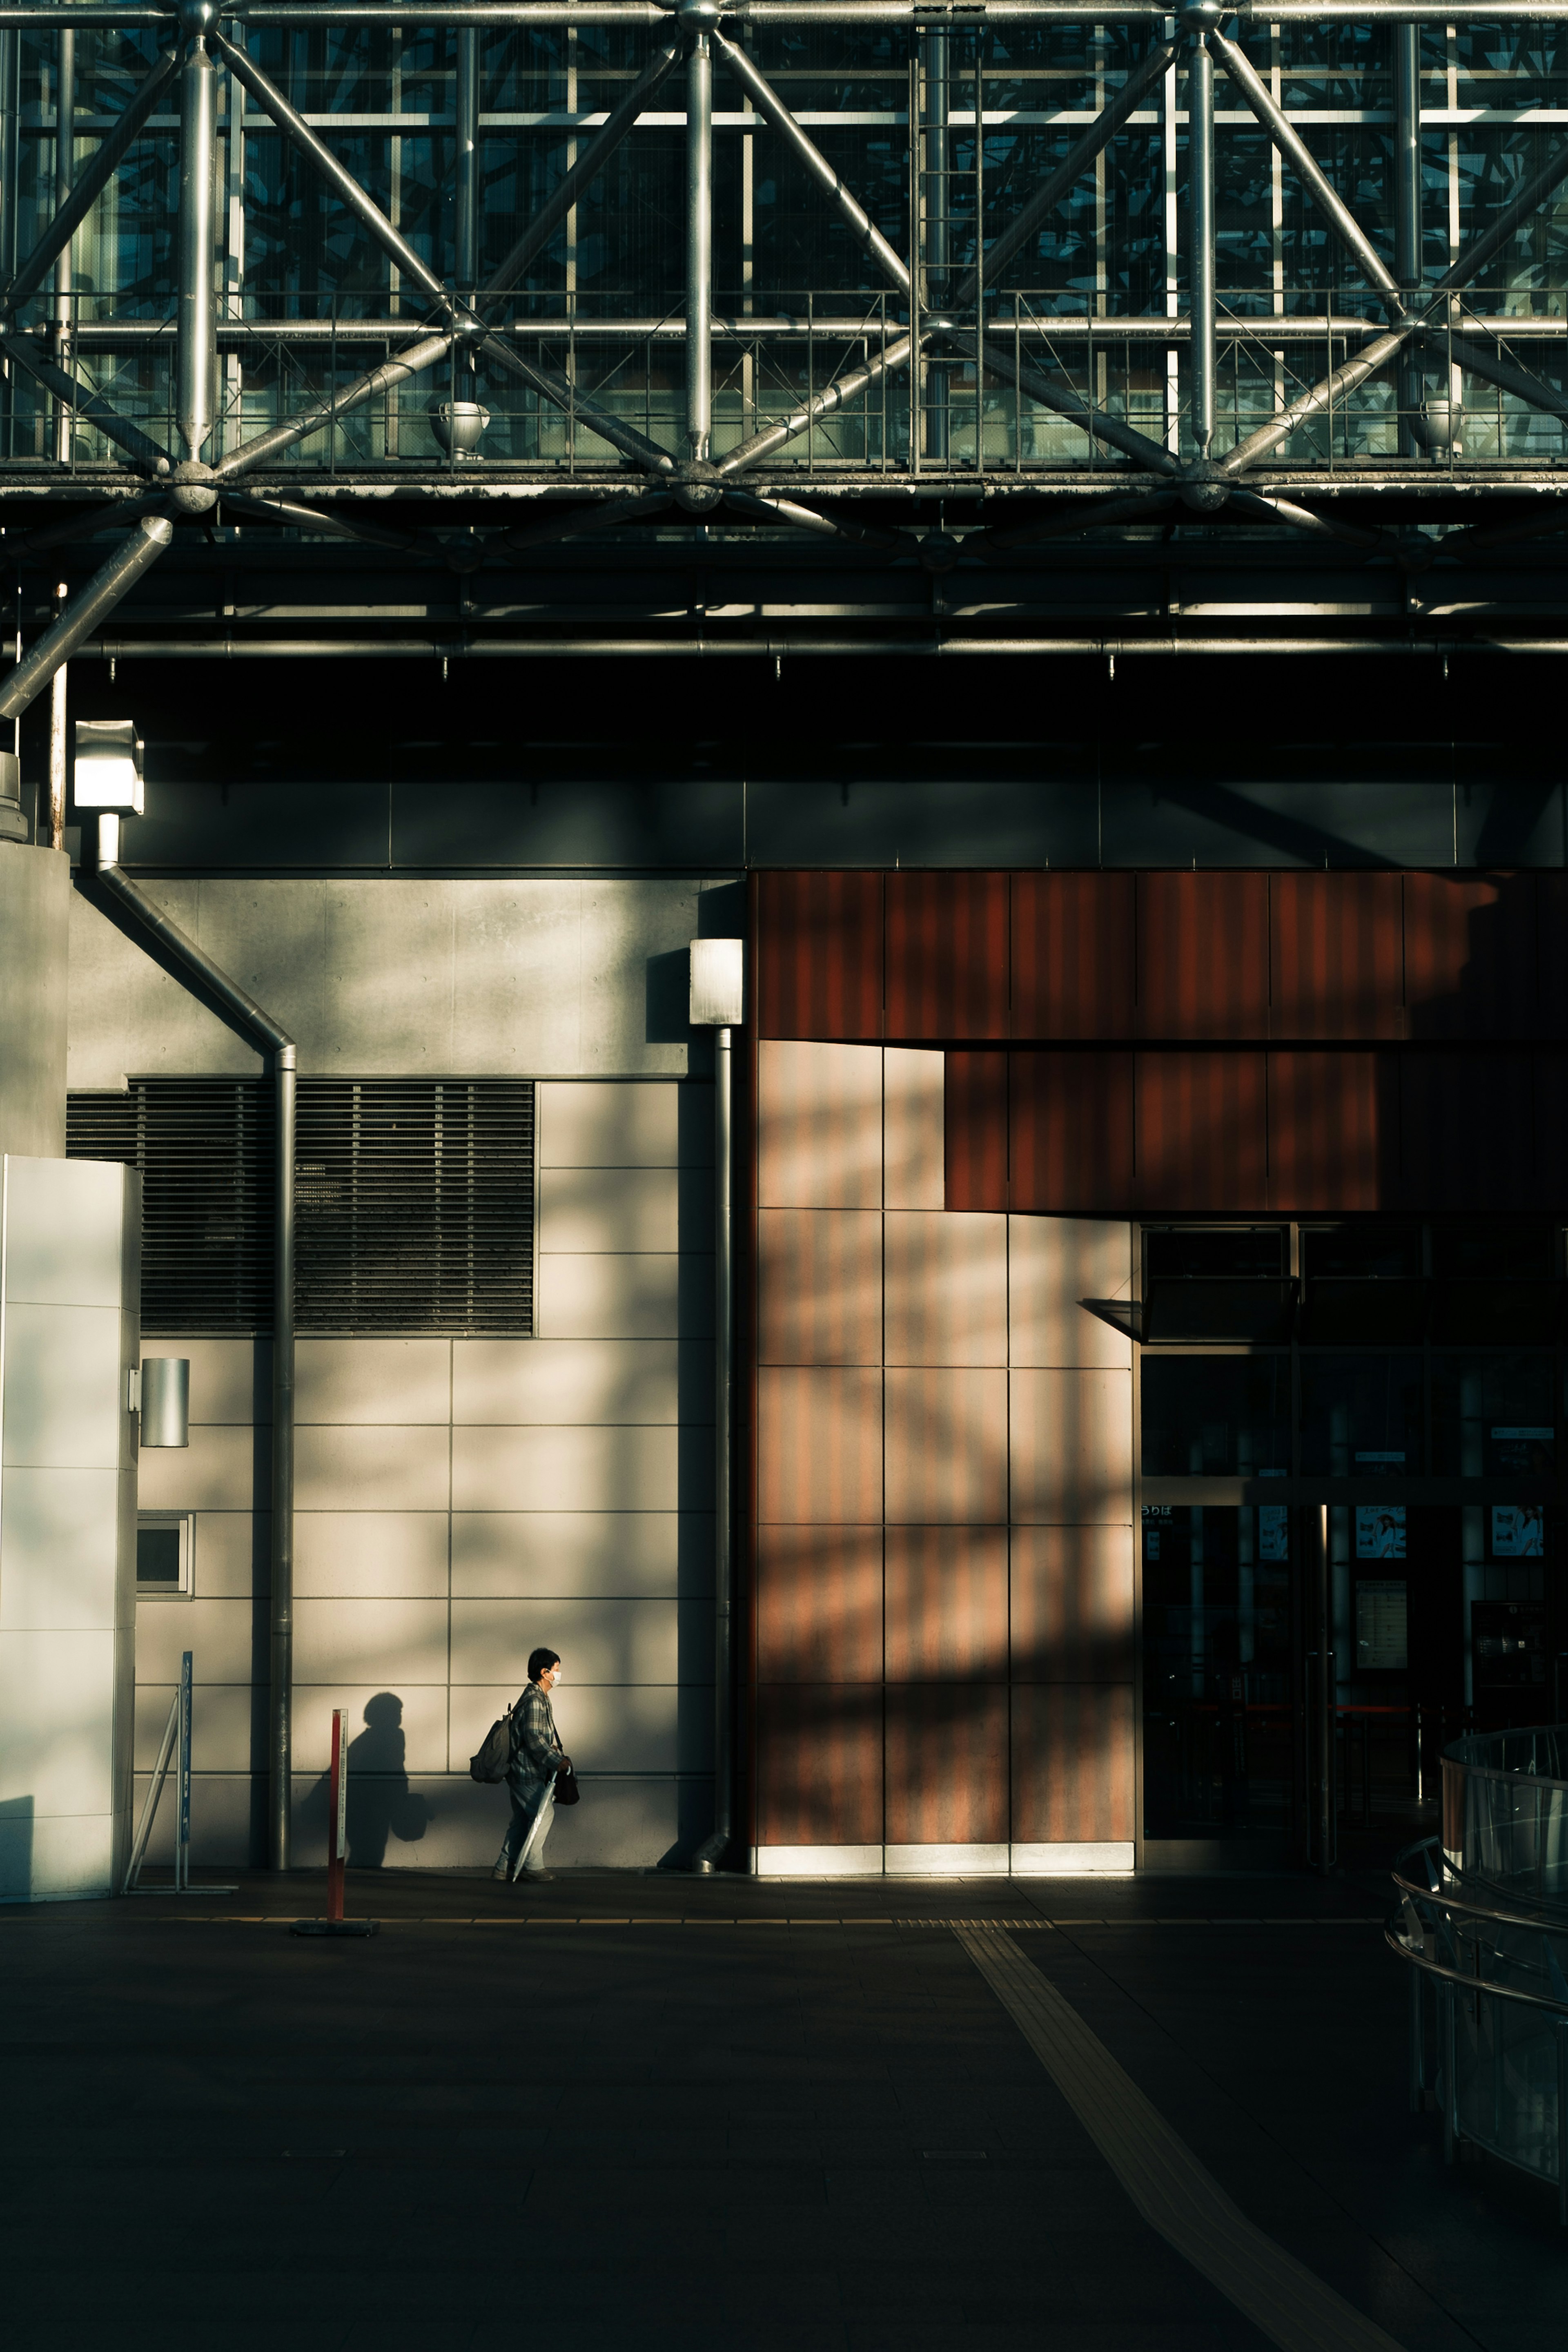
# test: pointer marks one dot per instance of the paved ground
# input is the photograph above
(646, 2112)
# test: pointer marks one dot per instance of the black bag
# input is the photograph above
(495, 1752)
(567, 1791)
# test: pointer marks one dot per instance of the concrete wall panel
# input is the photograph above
(231, 1554)
(643, 1297)
(520, 1555)
(217, 1472)
(559, 1382)
(628, 1469)
(620, 1641)
(65, 1386)
(364, 1555)
(227, 1727)
(381, 1643)
(35, 922)
(373, 1380)
(231, 1379)
(611, 1125)
(56, 1693)
(227, 1639)
(58, 1548)
(610, 1211)
(395, 1725)
(346, 1468)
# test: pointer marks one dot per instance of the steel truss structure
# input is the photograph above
(1130, 369)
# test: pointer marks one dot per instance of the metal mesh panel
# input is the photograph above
(414, 1201)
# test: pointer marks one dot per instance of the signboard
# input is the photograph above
(1382, 1625)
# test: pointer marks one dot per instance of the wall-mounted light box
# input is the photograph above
(107, 773)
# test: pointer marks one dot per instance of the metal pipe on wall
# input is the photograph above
(203, 975)
(711, 1853)
(55, 823)
(699, 248)
(1200, 153)
(65, 143)
(197, 321)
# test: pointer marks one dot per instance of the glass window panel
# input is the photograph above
(1185, 1252)
(1216, 1416)
(1493, 1416)
(1365, 1253)
(1361, 1417)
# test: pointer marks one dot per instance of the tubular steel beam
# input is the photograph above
(1200, 219)
(586, 169)
(1407, 155)
(699, 248)
(196, 331)
(65, 165)
(582, 406)
(823, 404)
(1307, 170)
(1098, 422)
(385, 378)
(467, 110)
(89, 405)
(822, 526)
(571, 526)
(299, 517)
(1300, 518)
(90, 185)
(342, 182)
(112, 581)
(774, 111)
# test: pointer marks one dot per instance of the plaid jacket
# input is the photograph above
(536, 1744)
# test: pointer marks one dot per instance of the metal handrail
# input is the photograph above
(1475, 1910)
(1468, 1984)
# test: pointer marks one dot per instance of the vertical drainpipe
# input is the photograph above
(197, 968)
(718, 1002)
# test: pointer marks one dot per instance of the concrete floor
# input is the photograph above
(648, 2112)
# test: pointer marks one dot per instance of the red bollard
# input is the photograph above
(334, 1924)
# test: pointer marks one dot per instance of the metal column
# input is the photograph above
(1200, 164)
(65, 147)
(197, 339)
(937, 234)
(467, 239)
(723, 1439)
(699, 247)
(1407, 163)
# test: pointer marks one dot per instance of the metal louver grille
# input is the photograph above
(414, 1205)
(204, 1150)
(414, 1201)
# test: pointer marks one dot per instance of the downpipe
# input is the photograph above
(206, 977)
(712, 1851)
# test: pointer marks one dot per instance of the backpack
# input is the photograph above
(494, 1751)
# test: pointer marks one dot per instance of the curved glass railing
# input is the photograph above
(1482, 1924)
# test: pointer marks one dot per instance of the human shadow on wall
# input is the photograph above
(381, 1805)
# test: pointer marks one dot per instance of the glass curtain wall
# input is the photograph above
(1089, 298)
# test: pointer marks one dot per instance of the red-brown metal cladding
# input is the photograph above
(1074, 955)
(818, 1604)
(946, 1766)
(820, 1764)
(1071, 1608)
(1337, 955)
(1334, 1130)
(947, 956)
(819, 955)
(1071, 1764)
(1469, 955)
(1467, 1132)
(818, 1445)
(1203, 955)
(1069, 1132)
(819, 1287)
(1202, 1131)
(946, 1604)
(976, 1114)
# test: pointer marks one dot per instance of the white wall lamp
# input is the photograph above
(108, 770)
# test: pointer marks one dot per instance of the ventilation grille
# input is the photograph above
(414, 1201)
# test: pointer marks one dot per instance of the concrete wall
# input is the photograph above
(458, 1501)
(69, 1272)
(34, 911)
(944, 1547)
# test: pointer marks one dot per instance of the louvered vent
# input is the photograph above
(204, 1150)
(414, 1201)
(415, 1205)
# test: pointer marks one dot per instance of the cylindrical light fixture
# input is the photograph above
(166, 1400)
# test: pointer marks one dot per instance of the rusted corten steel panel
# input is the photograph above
(1467, 1132)
(1072, 1605)
(947, 1605)
(1202, 1131)
(819, 955)
(1072, 1763)
(819, 1287)
(1069, 1132)
(1074, 955)
(820, 1610)
(1334, 1130)
(1337, 955)
(976, 1123)
(946, 1764)
(819, 1768)
(1471, 956)
(1203, 955)
(946, 955)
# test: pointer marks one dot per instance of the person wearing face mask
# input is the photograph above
(535, 1759)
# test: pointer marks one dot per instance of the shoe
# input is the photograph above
(536, 1877)
(501, 1871)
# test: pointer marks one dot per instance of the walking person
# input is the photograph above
(535, 1759)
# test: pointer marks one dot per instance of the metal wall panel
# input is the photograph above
(976, 1128)
(1202, 1131)
(1470, 955)
(1071, 1613)
(947, 1445)
(947, 1281)
(818, 1126)
(819, 1770)
(946, 955)
(1552, 950)
(1070, 1127)
(1203, 955)
(1467, 1132)
(1072, 1763)
(1334, 1130)
(818, 1604)
(819, 1287)
(820, 958)
(1337, 955)
(946, 1604)
(1074, 956)
(818, 1440)
(946, 1764)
